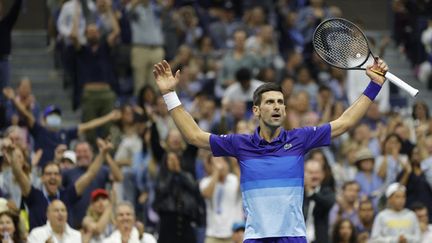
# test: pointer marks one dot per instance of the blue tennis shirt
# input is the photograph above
(272, 177)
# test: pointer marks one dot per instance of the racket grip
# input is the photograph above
(402, 84)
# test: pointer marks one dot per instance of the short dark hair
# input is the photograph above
(50, 163)
(415, 206)
(265, 88)
(243, 74)
(349, 183)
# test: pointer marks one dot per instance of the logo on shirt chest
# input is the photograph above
(287, 146)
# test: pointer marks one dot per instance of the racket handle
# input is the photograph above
(402, 84)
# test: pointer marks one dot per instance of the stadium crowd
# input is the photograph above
(125, 174)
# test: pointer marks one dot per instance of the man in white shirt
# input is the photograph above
(56, 230)
(126, 231)
(221, 192)
(243, 89)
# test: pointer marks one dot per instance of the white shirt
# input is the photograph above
(235, 92)
(115, 237)
(223, 208)
(43, 233)
(356, 82)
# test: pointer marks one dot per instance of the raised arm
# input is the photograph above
(97, 122)
(15, 158)
(112, 37)
(357, 110)
(74, 35)
(9, 93)
(82, 182)
(183, 120)
(12, 16)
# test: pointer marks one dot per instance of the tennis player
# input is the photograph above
(272, 159)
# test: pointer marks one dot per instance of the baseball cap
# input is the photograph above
(51, 109)
(99, 193)
(70, 155)
(238, 226)
(394, 187)
(363, 154)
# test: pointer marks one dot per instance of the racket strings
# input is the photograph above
(341, 44)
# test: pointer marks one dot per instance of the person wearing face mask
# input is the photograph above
(49, 133)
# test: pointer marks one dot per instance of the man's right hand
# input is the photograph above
(164, 77)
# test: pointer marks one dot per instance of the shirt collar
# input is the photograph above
(257, 139)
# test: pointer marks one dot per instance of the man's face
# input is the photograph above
(351, 192)
(51, 178)
(93, 34)
(314, 174)
(57, 213)
(422, 216)
(271, 111)
(366, 212)
(84, 154)
(397, 200)
(125, 217)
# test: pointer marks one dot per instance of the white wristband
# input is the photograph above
(171, 100)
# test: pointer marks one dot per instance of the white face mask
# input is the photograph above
(53, 121)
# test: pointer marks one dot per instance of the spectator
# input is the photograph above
(421, 212)
(223, 28)
(320, 155)
(130, 144)
(395, 223)
(371, 185)
(306, 83)
(49, 134)
(100, 178)
(56, 228)
(176, 202)
(25, 96)
(94, 71)
(71, 11)
(264, 45)
(6, 25)
(126, 227)
(243, 89)
(389, 164)
(102, 17)
(317, 203)
(234, 60)
(365, 138)
(344, 232)
(10, 227)
(68, 160)
(346, 206)
(98, 223)
(221, 189)
(238, 229)
(366, 216)
(37, 200)
(310, 16)
(414, 179)
(147, 41)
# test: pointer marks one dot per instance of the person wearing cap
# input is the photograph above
(106, 174)
(396, 223)
(37, 200)
(371, 185)
(68, 160)
(49, 134)
(98, 222)
(238, 229)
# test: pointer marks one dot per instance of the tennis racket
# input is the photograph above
(342, 44)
